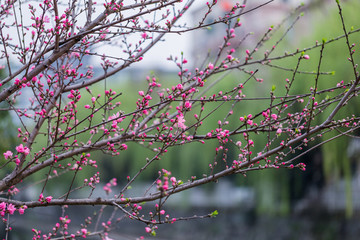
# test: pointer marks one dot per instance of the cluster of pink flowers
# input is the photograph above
(10, 209)
(163, 117)
(22, 149)
(43, 199)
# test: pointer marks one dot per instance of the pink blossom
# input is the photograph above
(181, 121)
(173, 179)
(274, 116)
(11, 208)
(279, 131)
(41, 197)
(180, 87)
(148, 230)
(8, 154)
(22, 149)
(187, 104)
(21, 210)
(2, 206)
(144, 35)
(211, 66)
(306, 57)
(84, 232)
(48, 199)
(75, 54)
(26, 151)
(250, 122)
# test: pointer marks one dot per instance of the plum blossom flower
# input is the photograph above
(8, 154)
(48, 199)
(22, 149)
(2, 206)
(274, 116)
(211, 66)
(11, 208)
(188, 104)
(83, 232)
(144, 35)
(181, 121)
(43, 199)
(180, 87)
(22, 209)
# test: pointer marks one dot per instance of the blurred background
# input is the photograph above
(321, 203)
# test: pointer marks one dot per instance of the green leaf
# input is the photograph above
(214, 213)
(273, 88)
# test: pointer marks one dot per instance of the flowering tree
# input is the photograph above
(62, 119)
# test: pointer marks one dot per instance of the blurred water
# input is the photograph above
(314, 217)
